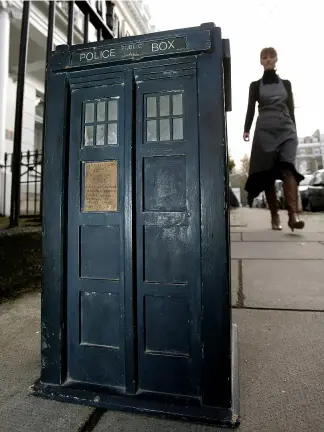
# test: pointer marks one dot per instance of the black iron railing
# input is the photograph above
(29, 185)
(5, 168)
(103, 25)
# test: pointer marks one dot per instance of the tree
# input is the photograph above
(239, 177)
(245, 165)
(231, 163)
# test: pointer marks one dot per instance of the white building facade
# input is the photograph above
(310, 153)
(129, 18)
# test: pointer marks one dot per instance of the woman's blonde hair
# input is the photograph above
(268, 51)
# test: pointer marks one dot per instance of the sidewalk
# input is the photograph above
(278, 295)
(278, 304)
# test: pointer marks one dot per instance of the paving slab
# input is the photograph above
(280, 236)
(18, 413)
(20, 367)
(236, 236)
(287, 284)
(245, 220)
(238, 218)
(123, 422)
(234, 281)
(277, 250)
(281, 370)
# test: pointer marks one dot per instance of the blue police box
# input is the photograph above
(136, 301)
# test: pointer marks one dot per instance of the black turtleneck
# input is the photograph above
(269, 77)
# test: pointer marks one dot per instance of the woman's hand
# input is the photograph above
(246, 136)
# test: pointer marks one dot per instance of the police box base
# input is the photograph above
(146, 403)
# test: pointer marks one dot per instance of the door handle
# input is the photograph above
(227, 74)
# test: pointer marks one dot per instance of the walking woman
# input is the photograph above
(275, 141)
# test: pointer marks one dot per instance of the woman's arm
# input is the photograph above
(290, 101)
(250, 109)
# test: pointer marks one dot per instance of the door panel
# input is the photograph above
(168, 233)
(96, 240)
(165, 289)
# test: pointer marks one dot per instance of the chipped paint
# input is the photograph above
(178, 195)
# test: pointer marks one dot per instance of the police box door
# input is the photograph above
(96, 273)
(134, 295)
(168, 231)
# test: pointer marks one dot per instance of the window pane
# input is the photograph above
(112, 133)
(177, 104)
(151, 130)
(164, 106)
(100, 137)
(165, 130)
(113, 110)
(88, 135)
(89, 113)
(151, 106)
(101, 111)
(178, 128)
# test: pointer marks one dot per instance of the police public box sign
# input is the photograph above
(130, 50)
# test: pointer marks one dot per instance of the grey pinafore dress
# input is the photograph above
(275, 137)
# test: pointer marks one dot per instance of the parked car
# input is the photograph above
(280, 194)
(260, 201)
(234, 202)
(315, 192)
(303, 190)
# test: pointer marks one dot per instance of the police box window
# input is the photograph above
(164, 117)
(100, 126)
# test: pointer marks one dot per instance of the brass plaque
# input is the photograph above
(100, 187)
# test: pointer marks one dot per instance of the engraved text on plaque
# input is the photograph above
(100, 186)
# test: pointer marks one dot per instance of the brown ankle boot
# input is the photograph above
(291, 197)
(275, 222)
(273, 207)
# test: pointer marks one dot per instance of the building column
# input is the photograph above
(4, 74)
